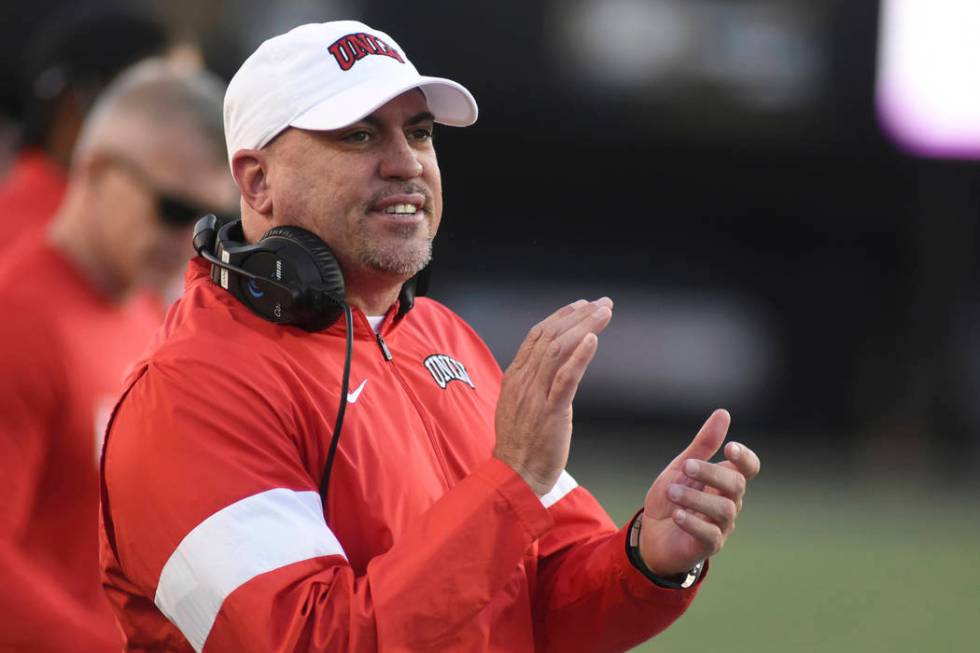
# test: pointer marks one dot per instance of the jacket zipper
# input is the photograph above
(384, 348)
(443, 465)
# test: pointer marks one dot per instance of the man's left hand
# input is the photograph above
(690, 510)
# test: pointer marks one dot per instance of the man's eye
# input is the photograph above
(357, 137)
(422, 133)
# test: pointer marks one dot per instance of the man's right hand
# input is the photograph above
(534, 410)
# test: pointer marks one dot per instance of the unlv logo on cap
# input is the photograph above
(350, 49)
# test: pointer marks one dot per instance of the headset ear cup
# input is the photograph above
(323, 258)
(318, 269)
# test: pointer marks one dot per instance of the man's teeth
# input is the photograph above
(402, 209)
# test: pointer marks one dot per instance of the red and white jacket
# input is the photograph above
(214, 536)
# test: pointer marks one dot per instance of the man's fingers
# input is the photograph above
(709, 439)
(727, 464)
(539, 329)
(555, 340)
(570, 374)
(708, 534)
(565, 311)
(555, 328)
(729, 482)
(561, 347)
(555, 349)
(721, 510)
(524, 352)
(744, 459)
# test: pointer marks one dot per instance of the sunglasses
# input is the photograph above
(172, 210)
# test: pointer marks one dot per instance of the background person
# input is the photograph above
(450, 521)
(71, 58)
(149, 160)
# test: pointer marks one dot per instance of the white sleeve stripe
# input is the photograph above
(250, 537)
(564, 485)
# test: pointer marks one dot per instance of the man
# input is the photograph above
(149, 160)
(72, 59)
(448, 522)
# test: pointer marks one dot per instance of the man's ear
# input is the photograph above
(249, 168)
(89, 168)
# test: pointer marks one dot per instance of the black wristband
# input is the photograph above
(679, 581)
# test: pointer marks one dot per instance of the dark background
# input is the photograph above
(717, 168)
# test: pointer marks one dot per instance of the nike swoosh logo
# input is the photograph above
(352, 396)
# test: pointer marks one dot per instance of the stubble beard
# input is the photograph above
(403, 252)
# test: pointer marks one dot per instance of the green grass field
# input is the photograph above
(884, 564)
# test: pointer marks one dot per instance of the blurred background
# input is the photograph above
(782, 197)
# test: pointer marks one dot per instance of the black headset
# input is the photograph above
(290, 276)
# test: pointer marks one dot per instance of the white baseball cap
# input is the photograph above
(324, 76)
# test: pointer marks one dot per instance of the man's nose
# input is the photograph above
(400, 160)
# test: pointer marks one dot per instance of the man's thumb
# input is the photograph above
(710, 438)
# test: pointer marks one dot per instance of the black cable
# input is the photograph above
(211, 258)
(344, 385)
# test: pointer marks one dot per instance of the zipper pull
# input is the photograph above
(384, 348)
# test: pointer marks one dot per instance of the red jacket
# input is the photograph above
(30, 193)
(215, 537)
(64, 353)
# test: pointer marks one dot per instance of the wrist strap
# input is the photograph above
(679, 581)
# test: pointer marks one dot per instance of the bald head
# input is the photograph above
(150, 159)
(154, 108)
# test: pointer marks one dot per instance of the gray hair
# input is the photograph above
(161, 101)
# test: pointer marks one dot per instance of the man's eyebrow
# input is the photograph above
(424, 116)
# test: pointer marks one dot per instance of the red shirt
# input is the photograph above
(64, 352)
(214, 534)
(29, 195)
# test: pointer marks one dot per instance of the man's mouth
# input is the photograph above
(402, 209)
(401, 204)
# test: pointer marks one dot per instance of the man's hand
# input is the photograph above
(690, 509)
(534, 410)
